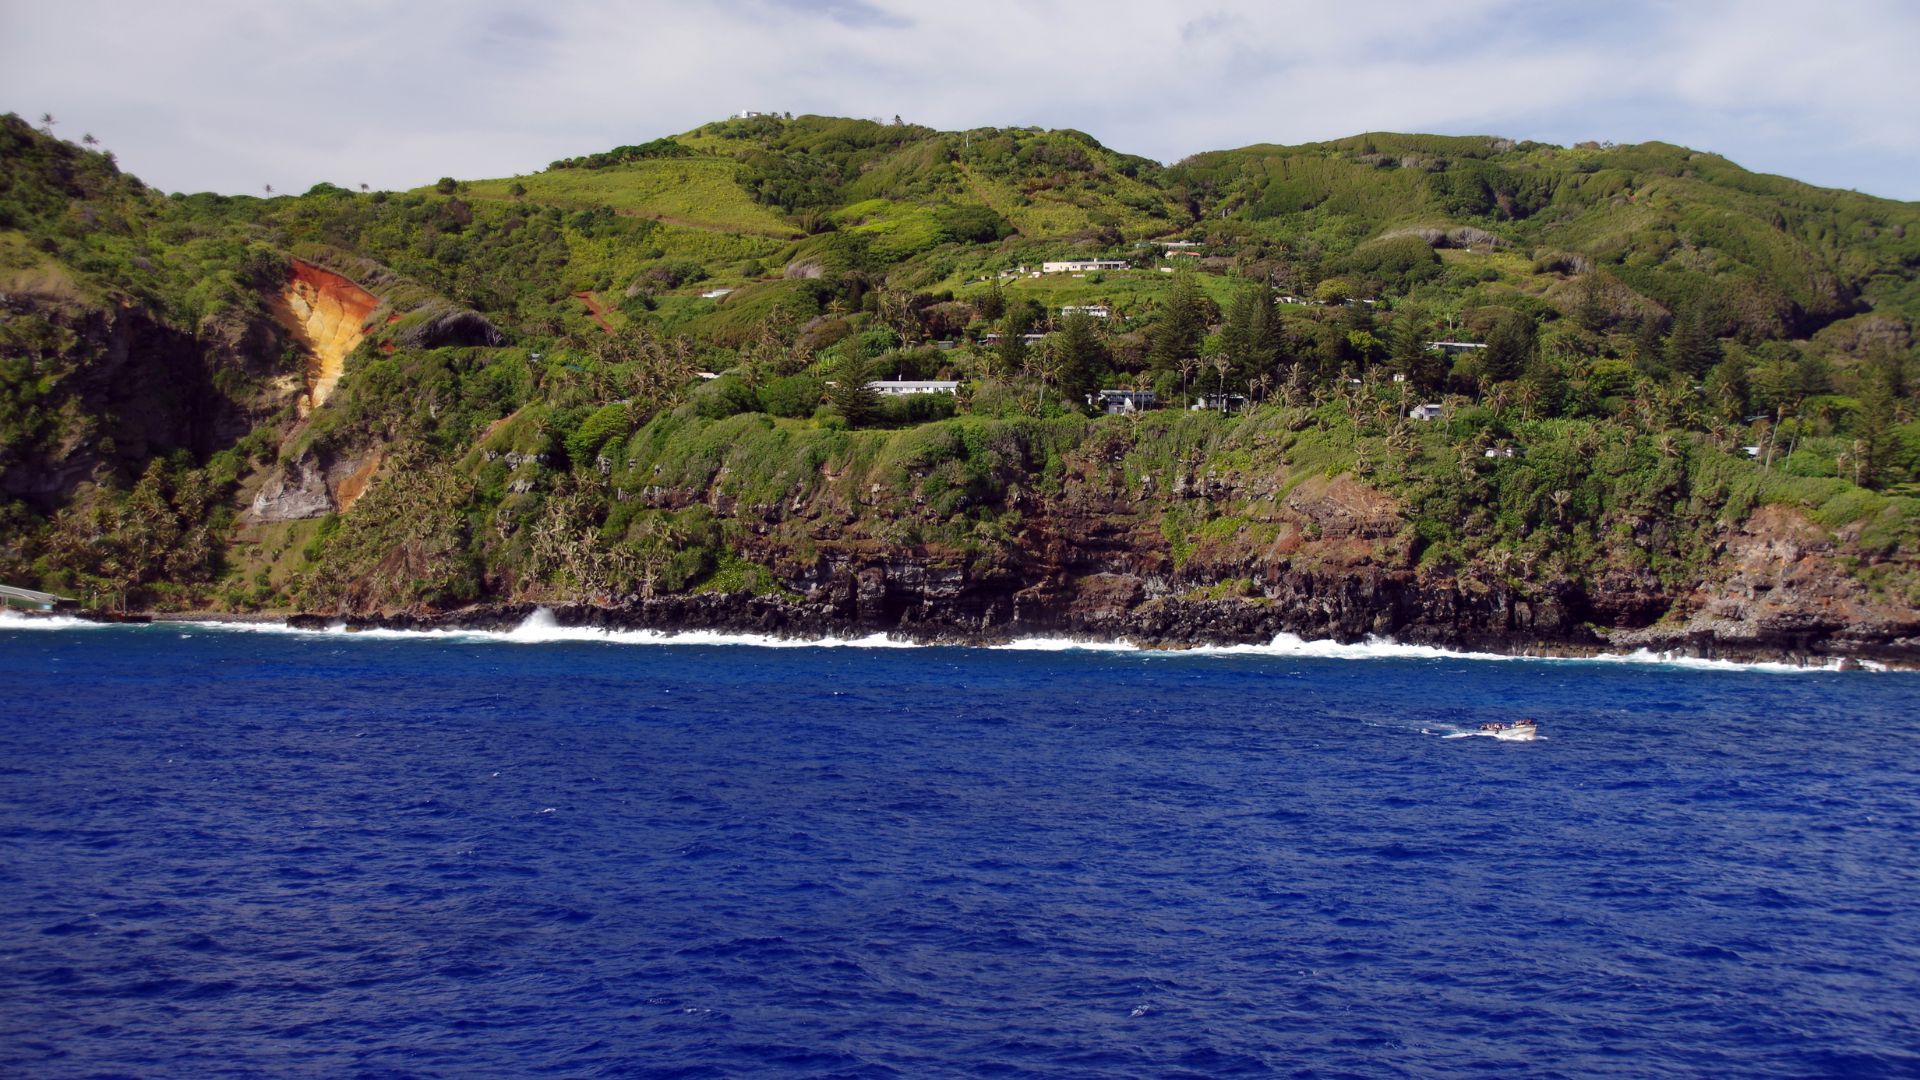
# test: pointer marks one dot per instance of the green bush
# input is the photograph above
(793, 396)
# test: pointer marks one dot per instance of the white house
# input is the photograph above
(1091, 311)
(748, 114)
(1429, 411)
(904, 387)
(1217, 402)
(1453, 347)
(1123, 401)
(1081, 266)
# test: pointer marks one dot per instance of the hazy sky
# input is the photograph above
(229, 95)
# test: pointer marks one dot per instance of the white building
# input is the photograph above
(1429, 411)
(1081, 266)
(904, 387)
(1452, 348)
(1091, 311)
(1113, 402)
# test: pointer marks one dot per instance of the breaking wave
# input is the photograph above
(14, 620)
(541, 628)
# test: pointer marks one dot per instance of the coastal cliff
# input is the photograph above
(1434, 389)
(1232, 535)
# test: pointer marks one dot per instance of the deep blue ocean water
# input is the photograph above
(228, 852)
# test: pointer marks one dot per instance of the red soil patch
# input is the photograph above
(353, 300)
(595, 309)
(354, 484)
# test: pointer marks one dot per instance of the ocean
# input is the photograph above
(244, 851)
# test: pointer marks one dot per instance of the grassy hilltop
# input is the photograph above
(1695, 394)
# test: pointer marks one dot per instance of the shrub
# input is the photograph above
(792, 396)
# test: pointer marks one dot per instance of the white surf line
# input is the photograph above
(540, 628)
(13, 620)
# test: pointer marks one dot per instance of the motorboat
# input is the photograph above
(1518, 731)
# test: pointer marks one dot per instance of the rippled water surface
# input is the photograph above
(327, 854)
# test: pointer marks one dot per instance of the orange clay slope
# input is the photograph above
(329, 314)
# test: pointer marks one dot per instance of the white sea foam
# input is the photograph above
(14, 620)
(1058, 644)
(1373, 648)
(540, 628)
(1670, 659)
(1376, 648)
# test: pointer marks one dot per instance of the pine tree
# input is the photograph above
(1012, 350)
(1182, 325)
(1510, 346)
(1411, 356)
(1589, 307)
(1251, 335)
(992, 304)
(847, 389)
(1649, 348)
(1078, 356)
(1693, 347)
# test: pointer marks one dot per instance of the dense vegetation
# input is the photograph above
(1666, 342)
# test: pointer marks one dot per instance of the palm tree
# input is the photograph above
(89, 140)
(268, 187)
(1528, 396)
(46, 122)
(1497, 398)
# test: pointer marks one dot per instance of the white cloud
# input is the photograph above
(238, 94)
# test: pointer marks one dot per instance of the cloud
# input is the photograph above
(397, 94)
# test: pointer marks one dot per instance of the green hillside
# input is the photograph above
(1668, 343)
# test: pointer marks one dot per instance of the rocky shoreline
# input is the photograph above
(1165, 624)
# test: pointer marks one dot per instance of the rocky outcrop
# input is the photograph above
(1784, 591)
(439, 325)
(311, 486)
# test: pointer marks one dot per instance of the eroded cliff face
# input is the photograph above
(1785, 584)
(328, 314)
(1104, 557)
(311, 486)
(124, 385)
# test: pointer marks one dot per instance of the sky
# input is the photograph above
(232, 95)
